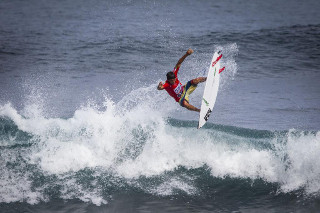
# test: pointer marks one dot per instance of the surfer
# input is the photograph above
(175, 89)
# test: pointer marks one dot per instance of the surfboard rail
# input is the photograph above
(211, 89)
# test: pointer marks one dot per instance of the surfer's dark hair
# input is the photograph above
(170, 75)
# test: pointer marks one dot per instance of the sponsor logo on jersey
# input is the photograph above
(179, 89)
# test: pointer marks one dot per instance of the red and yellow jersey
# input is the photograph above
(176, 89)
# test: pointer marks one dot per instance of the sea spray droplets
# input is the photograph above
(229, 52)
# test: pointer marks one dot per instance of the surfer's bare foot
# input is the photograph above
(199, 80)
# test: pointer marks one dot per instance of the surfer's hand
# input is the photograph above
(190, 51)
(160, 86)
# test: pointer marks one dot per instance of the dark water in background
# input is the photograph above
(83, 129)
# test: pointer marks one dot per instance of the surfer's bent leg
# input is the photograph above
(198, 80)
(189, 106)
(184, 100)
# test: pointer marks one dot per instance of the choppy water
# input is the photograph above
(83, 128)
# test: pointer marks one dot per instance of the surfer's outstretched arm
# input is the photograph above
(189, 52)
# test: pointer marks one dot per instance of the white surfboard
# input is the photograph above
(211, 89)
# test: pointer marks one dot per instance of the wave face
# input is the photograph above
(100, 151)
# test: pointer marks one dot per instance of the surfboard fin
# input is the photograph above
(221, 69)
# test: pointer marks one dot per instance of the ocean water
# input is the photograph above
(84, 129)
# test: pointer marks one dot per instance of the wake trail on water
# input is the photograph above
(134, 145)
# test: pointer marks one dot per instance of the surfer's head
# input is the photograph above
(171, 77)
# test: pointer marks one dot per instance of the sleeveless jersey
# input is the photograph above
(176, 89)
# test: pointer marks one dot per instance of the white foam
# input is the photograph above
(302, 162)
(71, 189)
(170, 187)
(15, 185)
(131, 139)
